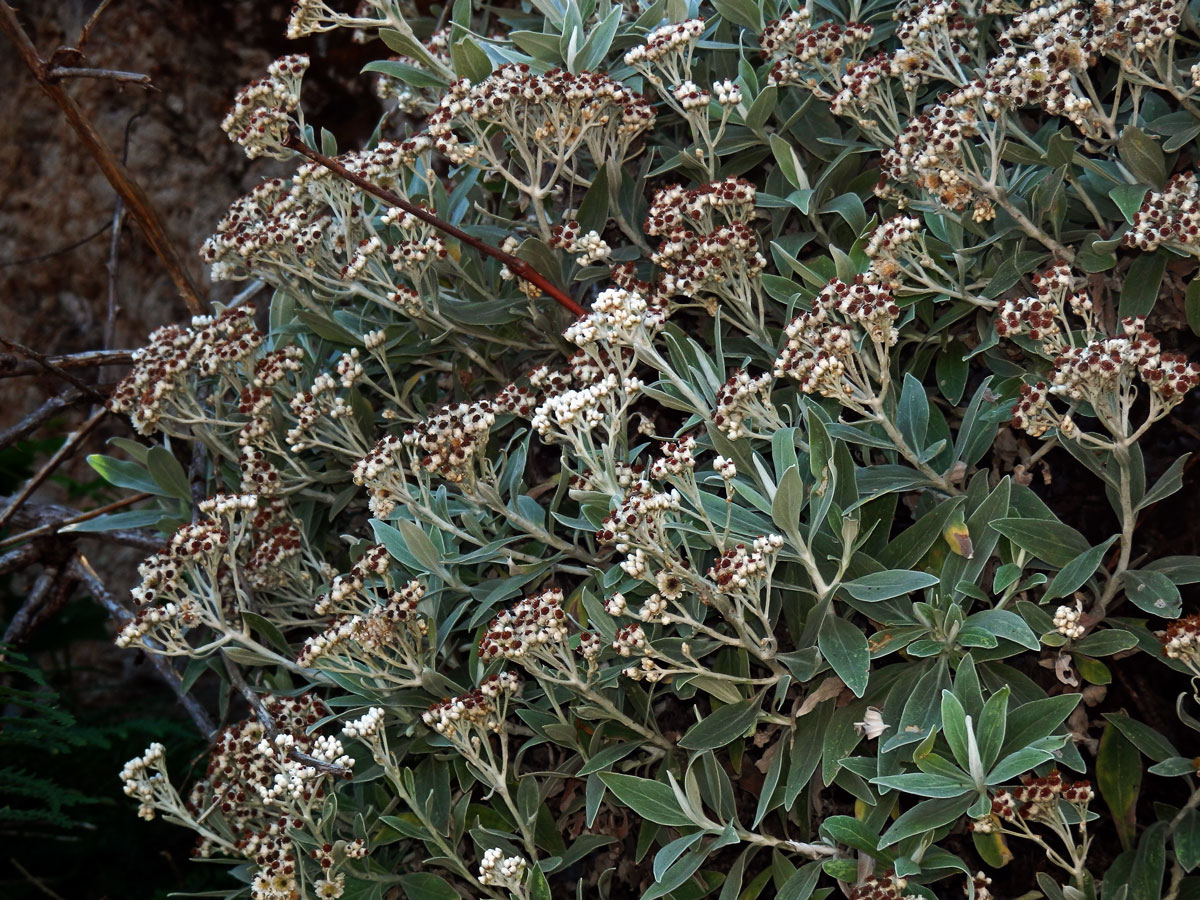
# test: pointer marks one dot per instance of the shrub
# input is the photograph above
(745, 583)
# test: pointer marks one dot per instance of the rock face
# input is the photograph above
(52, 195)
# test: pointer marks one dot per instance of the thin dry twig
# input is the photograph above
(111, 74)
(516, 265)
(86, 31)
(118, 176)
(34, 880)
(15, 633)
(63, 453)
(14, 366)
(40, 257)
(81, 569)
(114, 259)
(39, 417)
(44, 362)
(20, 558)
(47, 519)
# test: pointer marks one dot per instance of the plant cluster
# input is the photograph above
(741, 583)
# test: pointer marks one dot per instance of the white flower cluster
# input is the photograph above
(638, 519)
(891, 245)
(666, 43)
(365, 727)
(144, 778)
(534, 623)
(581, 410)
(743, 399)
(779, 37)
(1170, 217)
(1100, 371)
(260, 120)
(618, 316)
(481, 708)
(158, 385)
(591, 247)
(1181, 641)
(497, 870)
(820, 352)
(629, 639)
(695, 264)
(676, 458)
(296, 781)
(448, 442)
(742, 568)
(241, 773)
(727, 93)
(167, 609)
(929, 151)
(815, 57)
(726, 468)
(1066, 621)
(691, 97)
(391, 625)
(646, 670)
(701, 208)
(558, 111)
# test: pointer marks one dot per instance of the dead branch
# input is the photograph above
(46, 519)
(16, 631)
(20, 558)
(60, 456)
(39, 417)
(118, 176)
(111, 74)
(44, 362)
(14, 366)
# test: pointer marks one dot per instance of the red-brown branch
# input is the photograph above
(516, 265)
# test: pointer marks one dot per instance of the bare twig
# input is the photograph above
(25, 260)
(34, 880)
(63, 590)
(80, 568)
(86, 31)
(15, 632)
(116, 173)
(38, 418)
(14, 366)
(60, 455)
(516, 265)
(111, 74)
(114, 260)
(49, 518)
(44, 362)
(20, 558)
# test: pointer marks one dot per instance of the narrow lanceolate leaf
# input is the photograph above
(1153, 592)
(926, 816)
(886, 585)
(722, 727)
(1077, 571)
(1052, 541)
(1035, 720)
(921, 784)
(652, 800)
(1119, 778)
(846, 649)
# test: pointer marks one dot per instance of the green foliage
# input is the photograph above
(745, 577)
